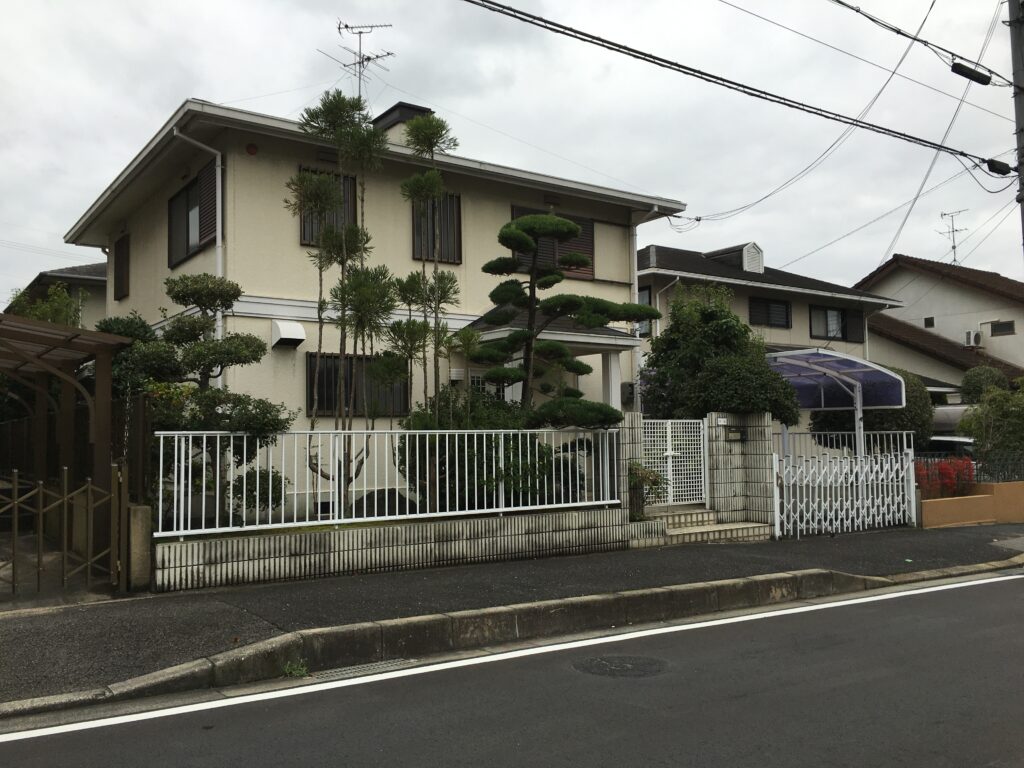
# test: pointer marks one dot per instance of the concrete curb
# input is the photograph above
(419, 636)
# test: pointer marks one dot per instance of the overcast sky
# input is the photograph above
(86, 84)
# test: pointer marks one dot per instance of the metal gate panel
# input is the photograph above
(841, 494)
(677, 449)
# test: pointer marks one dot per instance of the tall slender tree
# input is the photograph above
(427, 136)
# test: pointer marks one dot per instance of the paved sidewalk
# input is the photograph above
(69, 648)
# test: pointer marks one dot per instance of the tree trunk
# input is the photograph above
(526, 401)
(319, 343)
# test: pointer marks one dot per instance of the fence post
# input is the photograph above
(776, 500)
(630, 442)
(908, 466)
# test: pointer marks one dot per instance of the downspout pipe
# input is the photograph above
(657, 304)
(219, 194)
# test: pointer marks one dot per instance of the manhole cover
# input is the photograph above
(621, 666)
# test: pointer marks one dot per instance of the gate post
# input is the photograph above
(630, 450)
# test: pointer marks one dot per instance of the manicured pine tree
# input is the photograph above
(523, 237)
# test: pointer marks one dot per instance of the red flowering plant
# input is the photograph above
(944, 478)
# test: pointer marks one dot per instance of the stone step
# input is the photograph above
(719, 533)
(677, 518)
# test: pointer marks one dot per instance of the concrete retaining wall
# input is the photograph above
(287, 555)
(994, 503)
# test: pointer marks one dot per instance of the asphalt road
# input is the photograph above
(927, 679)
(101, 643)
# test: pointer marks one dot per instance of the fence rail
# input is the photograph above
(214, 482)
(841, 443)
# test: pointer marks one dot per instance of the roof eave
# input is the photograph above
(290, 129)
(883, 302)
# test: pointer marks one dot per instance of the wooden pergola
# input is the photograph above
(32, 353)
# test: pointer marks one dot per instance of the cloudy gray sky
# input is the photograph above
(86, 84)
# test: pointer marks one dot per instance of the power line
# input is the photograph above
(938, 50)
(949, 128)
(821, 158)
(852, 55)
(748, 90)
(875, 220)
(39, 250)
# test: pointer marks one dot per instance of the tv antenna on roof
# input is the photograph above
(362, 61)
(952, 230)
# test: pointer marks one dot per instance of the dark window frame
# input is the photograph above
(843, 331)
(643, 328)
(1009, 328)
(929, 322)
(309, 235)
(121, 256)
(202, 190)
(759, 312)
(585, 243)
(353, 376)
(451, 230)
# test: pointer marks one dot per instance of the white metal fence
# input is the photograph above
(832, 490)
(214, 482)
(677, 448)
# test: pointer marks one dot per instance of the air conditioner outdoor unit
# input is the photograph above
(972, 338)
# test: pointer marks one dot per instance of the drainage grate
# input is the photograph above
(362, 670)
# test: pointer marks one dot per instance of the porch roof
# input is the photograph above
(564, 330)
(829, 380)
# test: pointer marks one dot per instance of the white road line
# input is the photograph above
(426, 669)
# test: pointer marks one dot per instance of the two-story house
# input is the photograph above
(949, 319)
(87, 285)
(170, 212)
(789, 311)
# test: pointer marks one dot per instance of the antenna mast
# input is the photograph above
(362, 61)
(952, 230)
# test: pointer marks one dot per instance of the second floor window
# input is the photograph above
(192, 217)
(773, 313)
(121, 250)
(384, 400)
(310, 225)
(644, 297)
(838, 324)
(424, 222)
(548, 249)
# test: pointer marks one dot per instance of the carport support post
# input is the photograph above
(100, 428)
(858, 418)
(66, 424)
(39, 427)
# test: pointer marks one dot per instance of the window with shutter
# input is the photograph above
(192, 217)
(644, 297)
(831, 323)
(121, 249)
(773, 313)
(384, 400)
(309, 225)
(424, 220)
(547, 249)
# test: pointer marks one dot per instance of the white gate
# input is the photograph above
(841, 494)
(677, 448)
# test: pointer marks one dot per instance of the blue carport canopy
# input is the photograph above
(831, 381)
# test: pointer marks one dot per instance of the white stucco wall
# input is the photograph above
(956, 308)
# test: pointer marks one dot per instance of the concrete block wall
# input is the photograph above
(630, 449)
(286, 555)
(740, 473)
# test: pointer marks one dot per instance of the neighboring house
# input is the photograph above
(940, 361)
(159, 218)
(950, 317)
(86, 283)
(787, 310)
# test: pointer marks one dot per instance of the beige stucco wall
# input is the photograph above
(890, 353)
(799, 335)
(147, 226)
(94, 306)
(267, 259)
(281, 375)
(956, 308)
